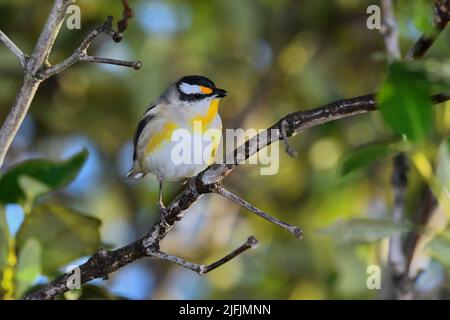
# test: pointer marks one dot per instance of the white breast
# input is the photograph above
(189, 152)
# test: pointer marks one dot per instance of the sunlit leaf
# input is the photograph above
(405, 102)
(366, 155)
(29, 265)
(65, 234)
(31, 187)
(361, 230)
(53, 174)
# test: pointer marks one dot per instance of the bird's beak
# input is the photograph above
(220, 93)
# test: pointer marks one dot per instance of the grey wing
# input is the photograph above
(144, 121)
(148, 116)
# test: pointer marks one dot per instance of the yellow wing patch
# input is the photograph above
(164, 135)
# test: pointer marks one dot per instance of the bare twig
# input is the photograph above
(14, 49)
(206, 182)
(296, 231)
(201, 269)
(122, 25)
(80, 54)
(131, 64)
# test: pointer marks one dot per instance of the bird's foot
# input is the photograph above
(163, 214)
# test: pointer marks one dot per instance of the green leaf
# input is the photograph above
(65, 234)
(367, 154)
(361, 230)
(423, 15)
(405, 102)
(439, 248)
(53, 174)
(28, 267)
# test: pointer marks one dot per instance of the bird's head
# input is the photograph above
(198, 88)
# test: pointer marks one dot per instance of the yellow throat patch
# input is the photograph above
(206, 119)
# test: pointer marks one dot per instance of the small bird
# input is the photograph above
(191, 106)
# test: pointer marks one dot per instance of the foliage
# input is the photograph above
(405, 102)
(51, 235)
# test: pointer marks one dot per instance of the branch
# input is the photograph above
(14, 49)
(201, 269)
(80, 54)
(208, 181)
(389, 31)
(396, 256)
(296, 231)
(31, 82)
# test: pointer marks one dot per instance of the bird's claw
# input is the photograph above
(163, 214)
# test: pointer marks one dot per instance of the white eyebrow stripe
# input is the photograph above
(190, 88)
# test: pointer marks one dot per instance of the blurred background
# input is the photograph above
(274, 57)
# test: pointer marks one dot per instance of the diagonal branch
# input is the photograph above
(14, 49)
(201, 269)
(208, 181)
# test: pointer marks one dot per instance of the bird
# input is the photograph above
(188, 107)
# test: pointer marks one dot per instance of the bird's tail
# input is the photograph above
(135, 173)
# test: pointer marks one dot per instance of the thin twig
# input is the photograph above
(14, 49)
(201, 269)
(80, 54)
(131, 64)
(296, 231)
(122, 25)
